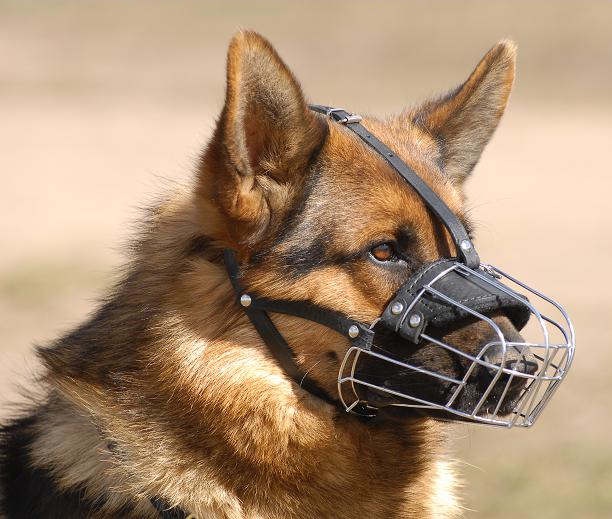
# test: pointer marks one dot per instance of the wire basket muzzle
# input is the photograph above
(506, 382)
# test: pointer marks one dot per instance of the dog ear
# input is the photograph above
(264, 137)
(464, 120)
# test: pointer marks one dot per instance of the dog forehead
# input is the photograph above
(361, 191)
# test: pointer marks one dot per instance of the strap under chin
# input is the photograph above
(269, 333)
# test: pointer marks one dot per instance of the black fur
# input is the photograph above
(27, 491)
(199, 245)
(305, 259)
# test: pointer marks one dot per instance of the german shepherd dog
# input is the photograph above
(167, 394)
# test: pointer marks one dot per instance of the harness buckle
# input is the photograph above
(341, 116)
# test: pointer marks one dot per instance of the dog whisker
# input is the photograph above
(308, 371)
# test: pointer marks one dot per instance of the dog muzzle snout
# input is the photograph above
(507, 382)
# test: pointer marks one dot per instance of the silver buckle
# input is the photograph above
(351, 118)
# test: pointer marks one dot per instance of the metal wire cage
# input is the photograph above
(549, 341)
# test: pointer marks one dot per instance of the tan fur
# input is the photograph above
(193, 408)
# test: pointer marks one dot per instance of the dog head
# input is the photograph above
(317, 216)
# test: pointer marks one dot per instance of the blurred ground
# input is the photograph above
(104, 103)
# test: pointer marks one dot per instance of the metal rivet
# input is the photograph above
(396, 308)
(466, 245)
(245, 300)
(390, 154)
(414, 321)
(353, 331)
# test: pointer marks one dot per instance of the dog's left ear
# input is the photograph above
(464, 121)
(264, 138)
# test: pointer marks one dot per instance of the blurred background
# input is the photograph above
(103, 104)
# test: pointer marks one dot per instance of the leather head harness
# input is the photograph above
(441, 294)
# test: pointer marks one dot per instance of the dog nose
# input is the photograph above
(517, 358)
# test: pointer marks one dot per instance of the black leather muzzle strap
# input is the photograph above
(459, 288)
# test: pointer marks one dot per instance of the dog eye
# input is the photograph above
(384, 252)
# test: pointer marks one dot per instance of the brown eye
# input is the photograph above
(384, 252)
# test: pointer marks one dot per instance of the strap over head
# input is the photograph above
(465, 247)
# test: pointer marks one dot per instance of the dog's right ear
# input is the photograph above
(263, 140)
